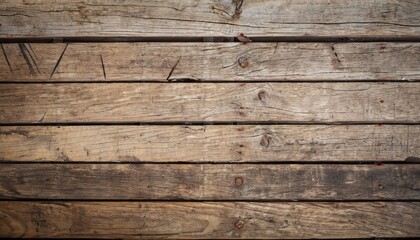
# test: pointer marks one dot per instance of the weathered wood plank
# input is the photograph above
(209, 61)
(23, 18)
(215, 220)
(211, 143)
(210, 182)
(163, 102)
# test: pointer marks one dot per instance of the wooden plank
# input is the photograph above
(210, 182)
(30, 18)
(156, 61)
(188, 102)
(215, 220)
(210, 143)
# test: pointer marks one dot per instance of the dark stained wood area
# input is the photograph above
(210, 119)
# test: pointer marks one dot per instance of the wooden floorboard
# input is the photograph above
(160, 61)
(307, 182)
(21, 18)
(189, 102)
(209, 143)
(215, 220)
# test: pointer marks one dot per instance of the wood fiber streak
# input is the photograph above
(148, 61)
(211, 143)
(210, 182)
(191, 18)
(216, 220)
(188, 102)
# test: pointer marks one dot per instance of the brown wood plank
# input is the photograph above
(209, 61)
(210, 182)
(215, 220)
(211, 143)
(30, 18)
(163, 102)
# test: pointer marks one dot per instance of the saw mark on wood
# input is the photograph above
(172, 70)
(7, 59)
(58, 61)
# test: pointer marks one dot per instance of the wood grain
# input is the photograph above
(148, 61)
(215, 220)
(210, 182)
(30, 18)
(210, 143)
(188, 102)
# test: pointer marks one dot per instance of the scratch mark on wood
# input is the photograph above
(336, 60)
(28, 58)
(58, 61)
(238, 9)
(172, 70)
(103, 66)
(18, 132)
(7, 59)
(42, 118)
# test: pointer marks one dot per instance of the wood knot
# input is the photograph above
(243, 62)
(239, 224)
(239, 181)
(262, 95)
(265, 141)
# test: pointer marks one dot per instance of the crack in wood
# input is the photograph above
(238, 9)
(42, 118)
(58, 61)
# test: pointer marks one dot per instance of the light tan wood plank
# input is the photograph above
(186, 102)
(210, 182)
(211, 143)
(209, 61)
(215, 220)
(30, 18)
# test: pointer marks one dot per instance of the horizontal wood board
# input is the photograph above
(216, 220)
(212, 102)
(208, 18)
(209, 143)
(249, 182)
(160, 61)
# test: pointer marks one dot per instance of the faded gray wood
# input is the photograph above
(210, 182)
(211, 143)
(61, 18)
(186, 102)
(209, 61)
(216, 220)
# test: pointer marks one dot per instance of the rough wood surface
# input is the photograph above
(215, 220)
(210, 182)
(211, 143)
(163, 102)
(30, 18)
(209, 61)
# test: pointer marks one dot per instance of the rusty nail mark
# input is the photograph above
(378, 164)
(239, 224)
(381, 101)
(244, 39)
(239, 181)
(243, 62)
(380, 186)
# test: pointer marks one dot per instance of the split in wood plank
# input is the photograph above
(210, 182)
(215, 220)
(210, 102)
(191, 18)
(210, 143)
(209, 61)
